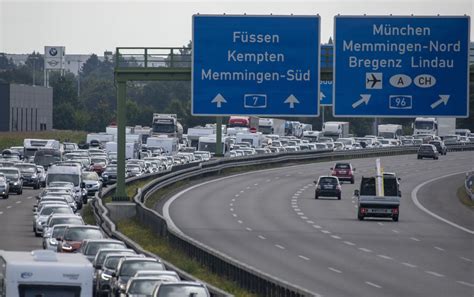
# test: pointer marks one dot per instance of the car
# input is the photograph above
(90, 247)
(13, 176)
(39, 220)
(167, 275)
(75, 235)
(343, 171)
(195, 289)
(109, 267)
(93, 183)
(127, 267)
(109, 175)
(49, 239)
(61, 219)
(141, 286)
(41, 175)
(29, 173)
(440, 146)
(427, 151)
(328, 186)
(4, 187)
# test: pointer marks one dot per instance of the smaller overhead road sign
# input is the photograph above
(325, 94)
(255, 65)
(401, 66)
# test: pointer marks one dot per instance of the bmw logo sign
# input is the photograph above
(53, 51)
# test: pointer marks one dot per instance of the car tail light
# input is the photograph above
(395, 211)
(338, 187)
(318, 187)
(363, 210)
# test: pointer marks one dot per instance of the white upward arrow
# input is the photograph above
(321, 96)
(364, 98)
(442, 99)
(292, 100)
(219, 99)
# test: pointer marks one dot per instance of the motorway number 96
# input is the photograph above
(400, 102)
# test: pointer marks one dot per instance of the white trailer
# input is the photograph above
(272, 126)
(168, 144)
(446, 126)
(45, 273)
(196, 132)
(255, 139)
(208, 144)
(101, 137)
(390, 131)
(336, 130)
(131, 149)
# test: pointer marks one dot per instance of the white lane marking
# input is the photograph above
(439, 249)
(242, 191)
(434, 273)
(297, 209)
(466, 259)
(30, 197)
(355, 206)
(248, 188)
(334, 269)
(300, 213)
(304, 218)
(409, 265)
(280, 247)
(365, 250)
(325, 231)
(317, 226)
(414, 238)
(466, 284)
(248, 229)
(335, 237)
(236, 195)
(385, 257)
(380, 224)
(9, 206)
(418, 204)
(235, 215)
(233, 200)
(262, 237)
(395, 231)
(353, 201)
(231, 204)
(18, 202)
(232, 209)
(268, 180)
(310, 222)
(240, 222)
(255, 184)
(349, 243)
(1, 212)
(303, 257)
(373, 285)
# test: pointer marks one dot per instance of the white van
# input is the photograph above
(45, 273)
(68, 173)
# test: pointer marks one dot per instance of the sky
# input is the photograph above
(86, 27)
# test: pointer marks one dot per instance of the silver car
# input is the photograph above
(39, 220)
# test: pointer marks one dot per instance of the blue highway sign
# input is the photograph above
(325, 93)
(401, 66)
(255, 65)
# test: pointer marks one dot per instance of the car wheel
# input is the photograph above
(360, 217)
(20, 192)
(395, 218)
(37, 234)
(418, 157)
(338, 197)
(352, 181)
(316, 196)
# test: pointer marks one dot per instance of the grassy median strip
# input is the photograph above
(87, 214)
(464, 198)
(159, 246)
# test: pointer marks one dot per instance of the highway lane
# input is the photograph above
(270, 220)
(16, 222)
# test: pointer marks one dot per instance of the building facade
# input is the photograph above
(25, 108)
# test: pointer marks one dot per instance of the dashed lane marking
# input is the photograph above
(30, 197)
(466, 259)
(262, 237)
(334, 270)
(385, 257)
(434, 273)
(232, 209)
(466, 284)
(414, 239)
(235, 215)
(297, 209)
(18, 202)
(231, 204)
(237, 195)
(409, 265)
(349, 243)
(335, 237)
(395, 231)
(310, 222)
(255, 184)
(380, 224)
(240, 222)
(9, 206)
(326, 231)
(374, 285)
(365, 250)
(233, 200)
(248, 229)
(317, 226)
(304, 258)
(304, 218)
(1, 212)
(439, 249)
(280, 247)
(300, 213)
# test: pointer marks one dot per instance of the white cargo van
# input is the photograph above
(45, 273)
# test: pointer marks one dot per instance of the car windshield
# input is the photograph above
(66, 221)
(10, 173)
(46, 211)
(142, 286)
(26, 168)
(72, 178)
(129, 268)
(58, 232)
(176, 290)
(342, 166)
(79, 234)
(328, 180)
(90, 176)
(112, 262)
(98, 161)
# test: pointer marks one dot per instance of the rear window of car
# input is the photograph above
(328, 180)
(342, 166)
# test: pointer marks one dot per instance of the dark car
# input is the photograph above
(343, 171)
(30, 175)
(428, 151)
(91, 247)
(328, 186)
(13, 176)
(181, 288)
(109, 176)
(440, 146)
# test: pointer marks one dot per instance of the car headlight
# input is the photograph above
(34, 176)
(122, 286)
(67, 247)
(15, 183)
(105, 277)
(53, 241)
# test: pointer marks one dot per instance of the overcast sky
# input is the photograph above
(85, 27)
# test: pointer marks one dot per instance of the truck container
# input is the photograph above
(336, 130)
(196, 132)
(249, 122)
(272, 126)
(390, 131)
(254, 139)
(131, 149)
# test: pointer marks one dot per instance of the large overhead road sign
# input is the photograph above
(255, 65)
(394, 66)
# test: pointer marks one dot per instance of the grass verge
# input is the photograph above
(87, 214)
(159, 246)
(464, 198)
(8, 139)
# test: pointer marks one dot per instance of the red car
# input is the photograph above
(74, 236)
(344, 171)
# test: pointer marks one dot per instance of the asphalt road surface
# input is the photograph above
(271, 221)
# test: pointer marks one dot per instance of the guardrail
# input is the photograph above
(245, 275)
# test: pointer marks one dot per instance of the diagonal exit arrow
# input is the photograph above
(442, 99)
(321, 96)
(219, 99)
(364, 98)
